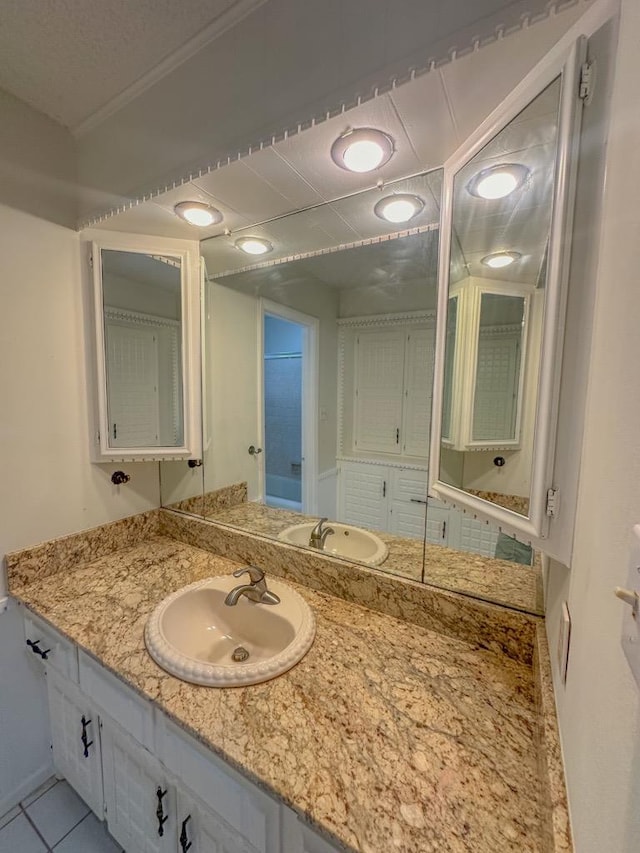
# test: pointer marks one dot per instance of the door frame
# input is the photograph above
(310, 379)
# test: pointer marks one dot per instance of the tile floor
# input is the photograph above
(54, 818)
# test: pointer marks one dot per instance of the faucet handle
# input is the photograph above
(255, 574)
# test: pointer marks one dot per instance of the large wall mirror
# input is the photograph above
(144, 316)
(320, 334)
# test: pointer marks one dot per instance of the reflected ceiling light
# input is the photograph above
(362, 149)
(400, 207)
(498, 181)
(254, 245)
(500, 259)
(198, 213)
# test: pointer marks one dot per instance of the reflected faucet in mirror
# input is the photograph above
(319, 535)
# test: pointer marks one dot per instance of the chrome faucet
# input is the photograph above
(319, 535)
(256, 590)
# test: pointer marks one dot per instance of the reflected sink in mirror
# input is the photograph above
(353, 543)
(195, 636)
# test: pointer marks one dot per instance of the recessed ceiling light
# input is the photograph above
(498, 181)
(362, 150)
(400, 207)
(500, 259)
(198, 213)
(254, 245)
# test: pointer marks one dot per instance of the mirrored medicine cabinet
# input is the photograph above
(507, 216)
(147, 348)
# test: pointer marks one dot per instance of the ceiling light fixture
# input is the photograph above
(198, 213)
(400, 207)
(498, 181)
(254, 245)
(500, 259)
(362, 149)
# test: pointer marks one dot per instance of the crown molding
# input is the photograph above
(225, 21)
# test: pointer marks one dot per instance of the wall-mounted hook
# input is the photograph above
(119, 477)
(194, 463)
(253, 451)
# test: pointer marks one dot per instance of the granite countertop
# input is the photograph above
(386, 736)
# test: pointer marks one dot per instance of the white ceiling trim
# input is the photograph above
(225, 21)
(553, 8)
(330, 250)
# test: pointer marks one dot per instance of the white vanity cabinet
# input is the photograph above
(383, 497)
(298, 837)
(140, 799)
(75, 736)
(159, 789)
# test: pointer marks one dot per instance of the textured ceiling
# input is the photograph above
(68, 58)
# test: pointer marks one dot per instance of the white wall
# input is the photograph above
(37, 163)
(49, 487)
(599, 709)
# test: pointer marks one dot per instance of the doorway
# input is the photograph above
(289, 393)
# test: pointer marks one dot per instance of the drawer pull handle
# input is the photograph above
(35, 648)
(83, 737)
(417, 501)
(185, 844)
(162, 817)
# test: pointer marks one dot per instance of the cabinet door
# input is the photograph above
(297, 837)
(437, 523)
(201, 830)
(407, 519)
(364, 495)
(140, 802)
(378, 391)
(75, 735)
(244, 814)
(418, 388)
(408, 502)
(476, 536)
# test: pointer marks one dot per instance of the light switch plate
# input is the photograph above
(631, 625)
(564, 636)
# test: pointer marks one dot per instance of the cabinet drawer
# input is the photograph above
(49, 647)
(120, 702)
(240, 804)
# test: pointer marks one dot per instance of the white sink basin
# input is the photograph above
(353, 543)
(193, 634)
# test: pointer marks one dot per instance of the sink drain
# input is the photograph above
(240, 654)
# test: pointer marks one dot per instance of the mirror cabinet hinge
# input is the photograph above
(553, 502)
(585, 87)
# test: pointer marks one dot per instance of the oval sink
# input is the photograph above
(353, 543)
(195, 636)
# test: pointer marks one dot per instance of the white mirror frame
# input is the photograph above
(191, 448)
(564, 62)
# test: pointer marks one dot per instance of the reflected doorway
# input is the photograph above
(288, 385)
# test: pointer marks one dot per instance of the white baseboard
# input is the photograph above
(30, 784)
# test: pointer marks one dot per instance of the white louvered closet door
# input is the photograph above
(418, 390)
(379, 385)
(495, 403)
(132, 358)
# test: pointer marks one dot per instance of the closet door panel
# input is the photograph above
(418, 387)
(379, 391)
